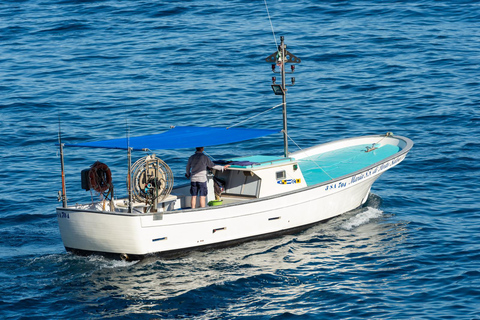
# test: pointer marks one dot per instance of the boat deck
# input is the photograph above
(228, 198)
(334, 164)
(257, 161)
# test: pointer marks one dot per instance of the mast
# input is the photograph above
(281, 58)
(282, 49)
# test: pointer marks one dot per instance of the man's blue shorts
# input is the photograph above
(198, 188)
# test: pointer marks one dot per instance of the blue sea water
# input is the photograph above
(106, 67)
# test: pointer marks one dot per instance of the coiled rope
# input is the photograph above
(100, 177)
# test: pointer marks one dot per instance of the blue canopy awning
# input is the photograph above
(180, 137)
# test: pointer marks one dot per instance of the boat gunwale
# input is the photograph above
(408, 144)
(403, 151)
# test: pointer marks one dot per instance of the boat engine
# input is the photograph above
(152, 180)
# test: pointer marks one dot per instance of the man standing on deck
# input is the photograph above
(197, 173)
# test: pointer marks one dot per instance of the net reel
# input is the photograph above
(99, 179)
(152, 180)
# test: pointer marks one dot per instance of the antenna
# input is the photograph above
(127, 132)
(62, 195)
(129, 173)
(59, 129)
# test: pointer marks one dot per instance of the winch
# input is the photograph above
(152, 181)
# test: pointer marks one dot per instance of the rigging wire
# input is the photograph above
(276, 46)
(281, 104)
(271, 25)
(310, 159)
(208, 155)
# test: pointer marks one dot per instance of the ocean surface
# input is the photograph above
(105, 68)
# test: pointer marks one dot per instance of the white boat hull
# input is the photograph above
(133, 235)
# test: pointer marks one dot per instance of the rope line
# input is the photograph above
(208, 155)
(271, 25)
(310, 159)
(281, 104)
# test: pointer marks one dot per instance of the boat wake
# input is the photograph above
(91, 263)
(361, 218)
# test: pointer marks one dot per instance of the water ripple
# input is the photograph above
(368, 67)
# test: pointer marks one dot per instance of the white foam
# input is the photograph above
(108, 263)
(361, 218)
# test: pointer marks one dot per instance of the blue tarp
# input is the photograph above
(181, 137)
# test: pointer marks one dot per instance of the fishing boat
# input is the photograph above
(257, 197)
